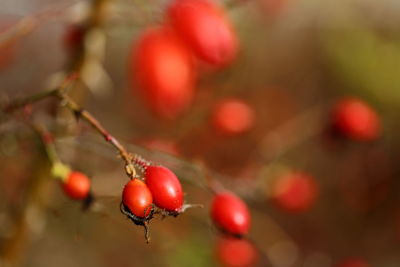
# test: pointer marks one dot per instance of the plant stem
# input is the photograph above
(79, 112)
(88, 117)
(21, 102)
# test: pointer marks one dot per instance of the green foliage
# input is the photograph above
(367, 62)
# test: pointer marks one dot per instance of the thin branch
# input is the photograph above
(69, 103)
(87, 116)
(293, 133)
(29, 23)
(24, 101)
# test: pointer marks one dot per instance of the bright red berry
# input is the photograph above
(165, 188)
(137, 197)
(295, 192)
(233, 252)
(356, 119)
(76, 185)
(205, 29)
(230, 213)
(353, 263)
(233, 116)
(164, 69)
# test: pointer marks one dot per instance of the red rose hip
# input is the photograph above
(295, 192)
(137, 197)
(233, 116)
(165, 187)
(230, 213)
(233, 252)
(206, 30)
(356, 120)
(163, 67)
(76, 185)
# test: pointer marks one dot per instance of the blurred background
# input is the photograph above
(297, 58)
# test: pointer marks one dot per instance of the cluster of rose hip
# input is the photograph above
(352, 119)
(166, 59)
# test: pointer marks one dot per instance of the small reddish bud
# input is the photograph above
(356, 120)
(233, 116)
(295, 192)
(230, 213)
(164, 70)
(205, 28)
(233, 252)
(76, 185)
(137, 197)
(165, 188)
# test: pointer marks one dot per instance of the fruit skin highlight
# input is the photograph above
(163, 68)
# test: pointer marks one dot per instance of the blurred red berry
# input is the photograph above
(233, 252)
(205, 29)
(233, 116)
(137, 197)
(230, 213)
(7, 48)
(353, 263)
(73, 37)
(356, 119)
(164, 69)
(295, 192)
(165, 188)
(76, 185)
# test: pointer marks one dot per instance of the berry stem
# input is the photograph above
(88, 117)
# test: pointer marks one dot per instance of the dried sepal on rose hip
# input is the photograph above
(356, 120)
(166, 189)
(230, 214)
(137, 204)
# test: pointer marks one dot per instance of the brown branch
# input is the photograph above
(29, 23)
(87, 116)
(69, 103)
